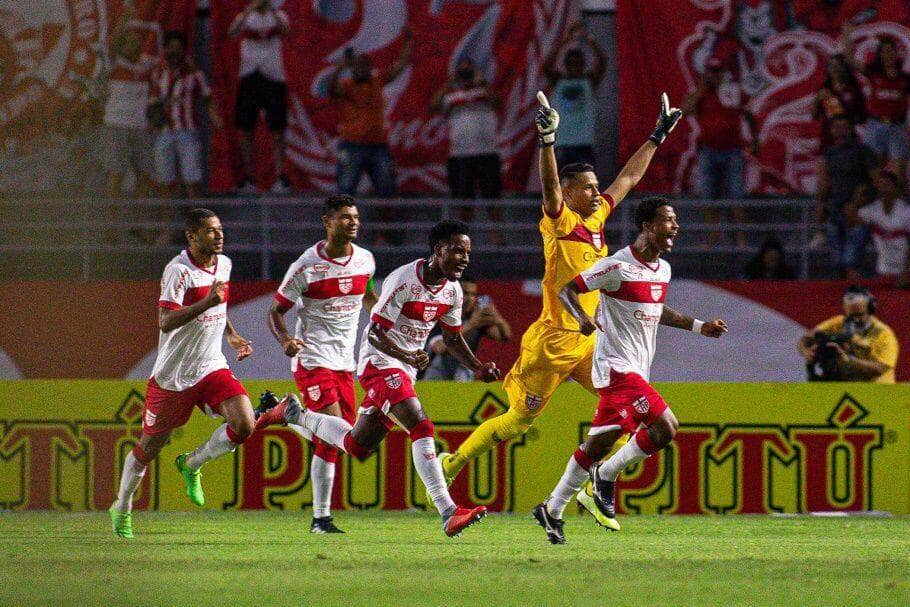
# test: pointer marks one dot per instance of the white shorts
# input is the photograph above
(173, 148)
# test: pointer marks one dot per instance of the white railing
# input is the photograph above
(266, 227)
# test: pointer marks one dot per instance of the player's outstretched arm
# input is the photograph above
(713, 328)
(458, 347)
(380, 341)
(291, 345)
(568, 295)
(547, 122)
(240, 344)
(168, 320)
(635, 168)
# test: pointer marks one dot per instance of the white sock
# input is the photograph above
(306, 434)
(217, 445)
(571, 481)
(627, 455)
(130, 479)
(423, 452)
(329, 428)
(323, 475)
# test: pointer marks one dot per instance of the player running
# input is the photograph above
(190, 370)
(329, 283)
(414, 298)
(633, 286)
(552, 349)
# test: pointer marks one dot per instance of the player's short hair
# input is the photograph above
(337, 201)
(646, 210)
(445, 229)
(569, 171)
(173, 35)
(194, 218)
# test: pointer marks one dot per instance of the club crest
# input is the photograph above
(597, 239)
(345, 285)
(657, 292)
(150, 418)
(533, 402)
(314, 392)
(429, 312)
(393, 381)
(641, 405)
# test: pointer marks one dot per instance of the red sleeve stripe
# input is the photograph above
(450, 328)
(554, 216)
(582, 287)
(286, 303)
(168, 305)
(609, 199)
(385, 323)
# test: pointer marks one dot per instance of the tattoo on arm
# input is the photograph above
(672, 318)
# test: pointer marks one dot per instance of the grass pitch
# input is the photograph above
(230, 558)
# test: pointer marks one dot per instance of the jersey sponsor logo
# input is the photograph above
(314, 392)
(533, 402)
(345, 284)
(641, 405)
(429, 312)
(656, 292)
(393, 381)
(322, 268)
(650, 319)
(416, 289)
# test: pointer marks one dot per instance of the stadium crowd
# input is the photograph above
(160, 110)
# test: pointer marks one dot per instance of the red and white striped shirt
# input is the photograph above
(181, 89)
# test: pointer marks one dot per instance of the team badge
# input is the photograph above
(345, 285)
(597, 239)
(314, 392)
(429, 313)
(393, 381)
(532, 402)
(641, 405)
(150, 418)
(656, 292)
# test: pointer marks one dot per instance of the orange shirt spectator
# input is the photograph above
(362, 111)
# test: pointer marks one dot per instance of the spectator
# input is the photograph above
(480, 319)
(363, 145)
(768, 263)
(262, 86)
(176, 87)
(888, 218)
(889, 87)
(573, 95)
(844, 173)
(127, 144)
(470, 107)
(718, 105)
(854, 346)
(840, 95)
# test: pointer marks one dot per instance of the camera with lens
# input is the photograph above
(824, 366)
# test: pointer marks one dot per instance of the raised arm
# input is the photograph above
(458, 348)
(635, 168)
(547, 122)
(403, 59)
(671, 318)
(237, 23)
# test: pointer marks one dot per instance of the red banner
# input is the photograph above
(505, 38)
(775, 49)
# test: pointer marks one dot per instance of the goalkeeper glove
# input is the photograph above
(666, 120)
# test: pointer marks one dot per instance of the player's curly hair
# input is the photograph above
(571, 170)
(445, 229)
(646, 210)
(337, 201)
(194, 218)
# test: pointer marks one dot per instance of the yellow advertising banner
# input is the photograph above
(741, 448)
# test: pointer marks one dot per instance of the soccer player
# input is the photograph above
(414, 298)
(633, 285)
(190, 370)
(330, 283)
(553, 349)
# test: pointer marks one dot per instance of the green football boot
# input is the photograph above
(122, 523)
(192, 479)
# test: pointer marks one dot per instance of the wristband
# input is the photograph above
(697, 325)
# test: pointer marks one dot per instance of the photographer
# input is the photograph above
(480, 319)
(854, 346)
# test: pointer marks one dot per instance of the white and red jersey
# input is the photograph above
(329, 295)
(260, 44)
(128, 81)
(189, 353)
(409, 309)
(632, 294)
(181, 89)
(890, 233)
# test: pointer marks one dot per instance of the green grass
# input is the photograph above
(230, 558)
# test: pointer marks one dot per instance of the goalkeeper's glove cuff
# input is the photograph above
(546, 140)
